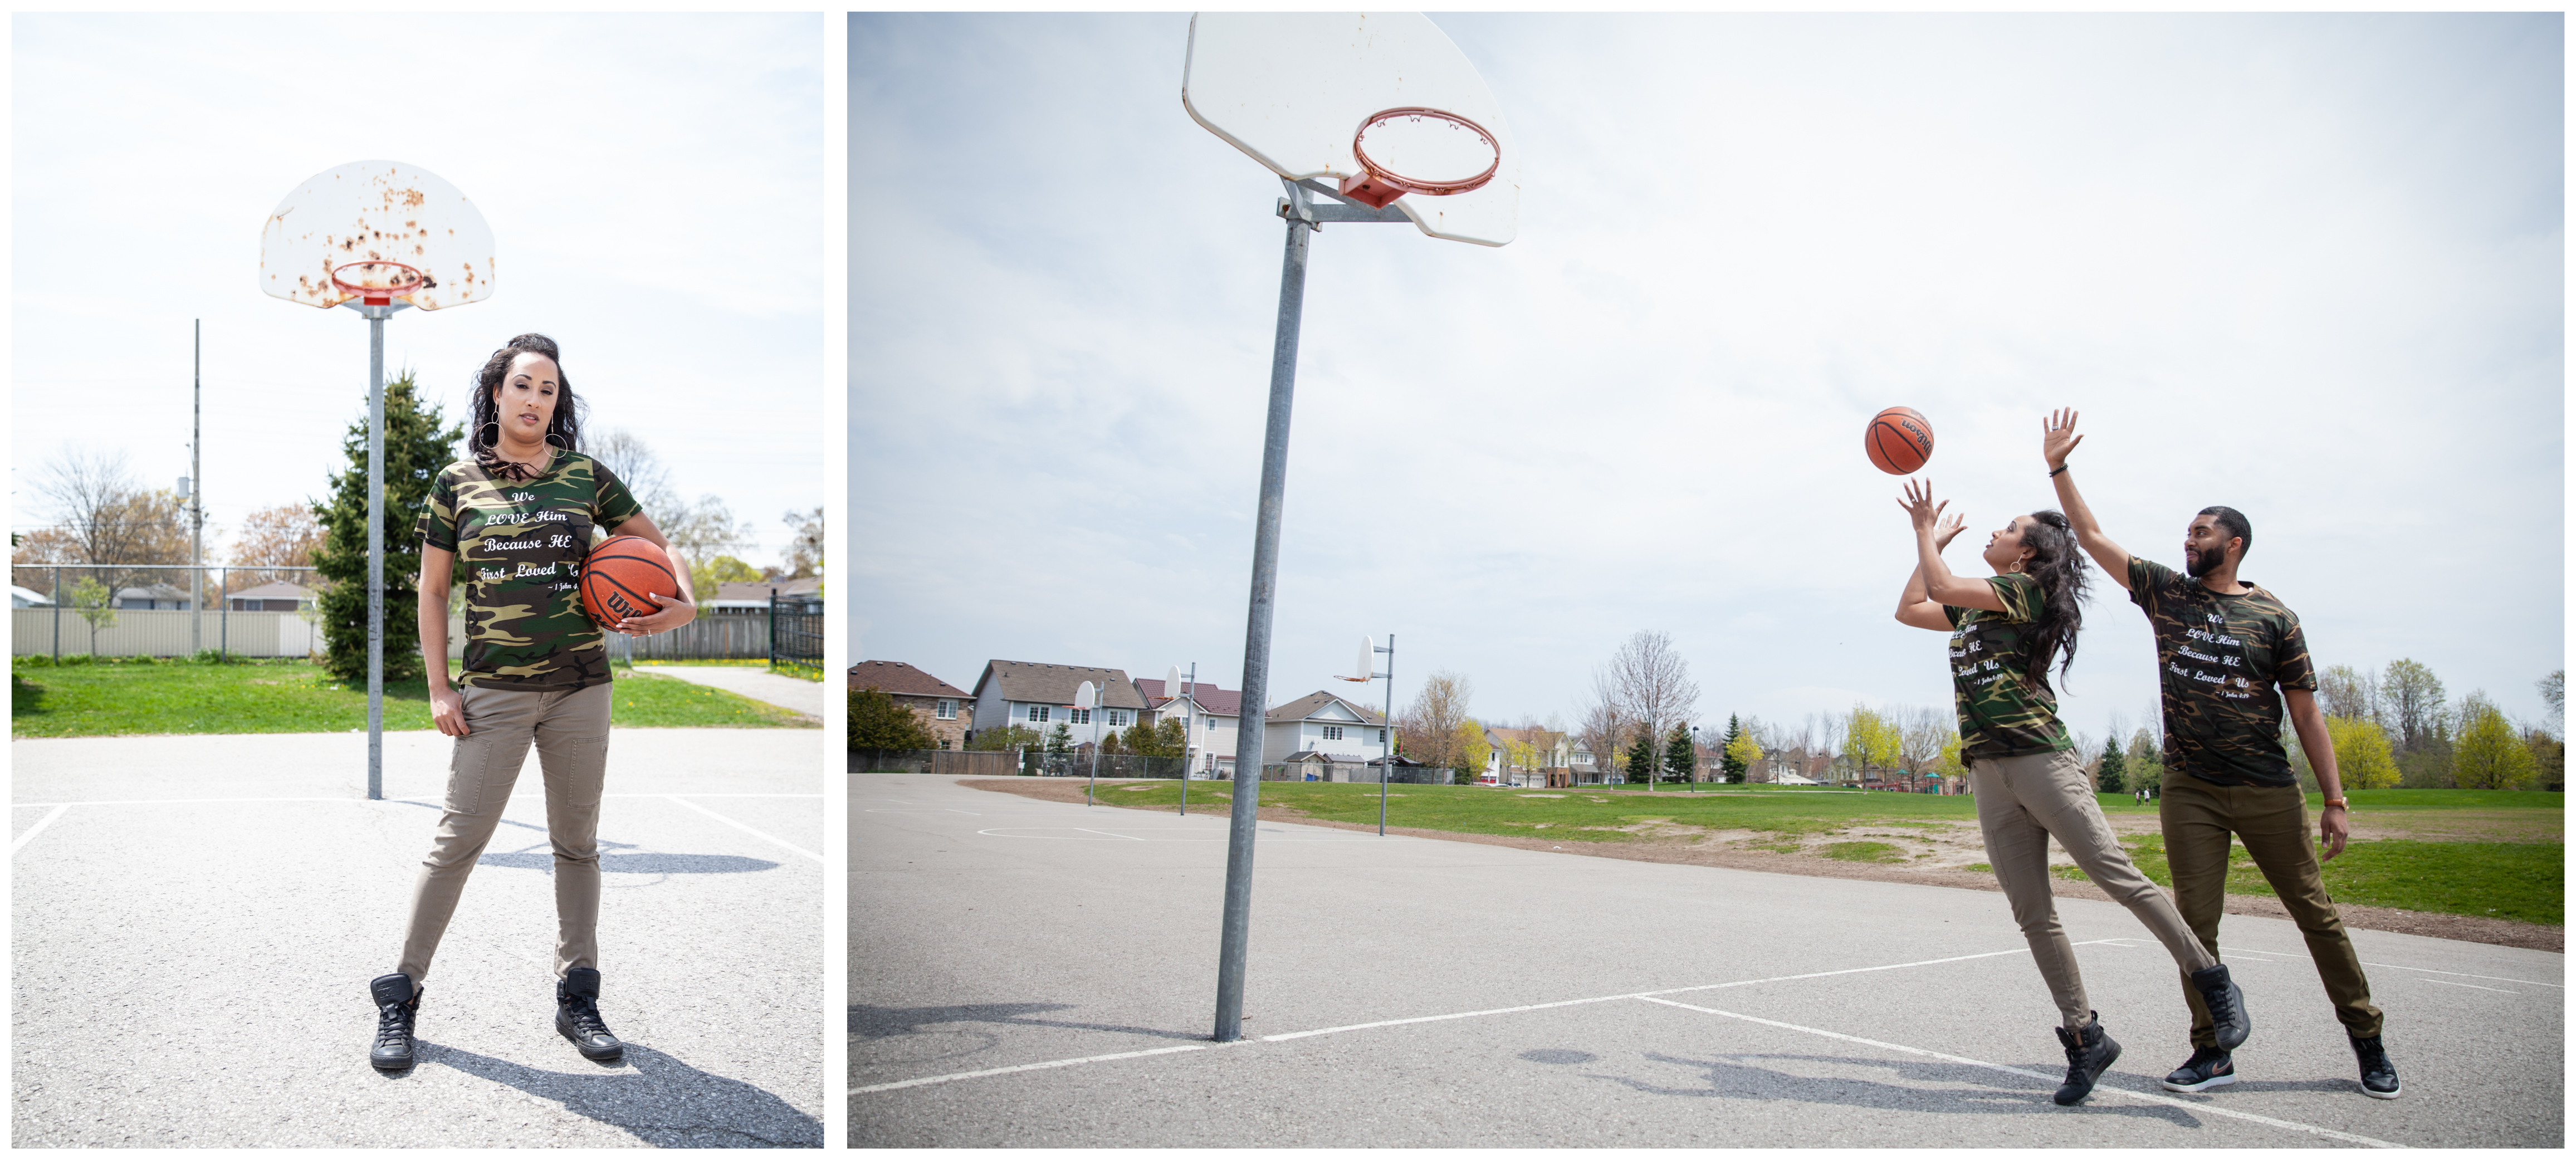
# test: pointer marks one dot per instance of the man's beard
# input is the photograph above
(2197, 564)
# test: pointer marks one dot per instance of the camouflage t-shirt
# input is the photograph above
(2218, 658)
(2002, 712)
(522, 544)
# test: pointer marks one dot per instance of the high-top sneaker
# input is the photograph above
(2226, 1002)
(2208, 1067)
(2378, 1076)
(2088, 1054)
(577, 1015)
(397, 1005)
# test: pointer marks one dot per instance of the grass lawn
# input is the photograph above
(95, 700)
(2494, 852)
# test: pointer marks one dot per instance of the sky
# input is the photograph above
(654, 186)
(2310, 267)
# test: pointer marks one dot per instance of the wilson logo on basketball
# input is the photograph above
(620, 578)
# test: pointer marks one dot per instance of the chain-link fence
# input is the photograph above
(965, 763)
(164, 610)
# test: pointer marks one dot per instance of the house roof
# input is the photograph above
(155, 592)
(1040, 684)
(275, 590)
(898, 677)
(1215, 701)
(1318, 755)
(758, 590)
(1313, 703)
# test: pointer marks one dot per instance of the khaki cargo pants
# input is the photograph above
(570, 731)
(2022, 802)
(2272, 822)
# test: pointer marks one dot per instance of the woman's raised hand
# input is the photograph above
(1926, 514)
(1949, 531)
(2058, 438)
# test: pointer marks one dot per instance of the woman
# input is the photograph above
(2005, 630)
(518, 517)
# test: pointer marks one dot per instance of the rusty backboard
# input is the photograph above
(376, 212)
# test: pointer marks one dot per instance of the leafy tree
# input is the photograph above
(2362, 753)
(418, 443)
(703, 578)
(1468, 749)
(2548, 759)
(1681, 758)
(2489, 755)
(2144, 767)
(1871, 740)
(878, 722)
(1006, 737)
(90, 600)
(1059, 740)
(1168, 737)
(1741, 753)
(1110, 745)
(2114, 775)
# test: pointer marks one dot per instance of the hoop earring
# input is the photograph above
(551, 436)
(494, 441)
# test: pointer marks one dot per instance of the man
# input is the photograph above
(2221, 647)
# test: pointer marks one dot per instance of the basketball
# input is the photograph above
(1899, 440)
(616, 579)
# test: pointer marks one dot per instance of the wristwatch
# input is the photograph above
(2338, 802)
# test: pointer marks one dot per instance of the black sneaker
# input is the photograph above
(2209, 1067)
(577, 1016)
(397, 1005)
(2378, 1078)
(2088, 1054)
(2228, 1018)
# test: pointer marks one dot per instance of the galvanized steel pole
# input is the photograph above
(197, 494)
(376, 552)
(1386, 752)
(1256, 641)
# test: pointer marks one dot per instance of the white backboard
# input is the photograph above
(1368, 659)
(376, 211)
(1084, 696)
(1291, 89)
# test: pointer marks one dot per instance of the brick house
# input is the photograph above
(945, 709)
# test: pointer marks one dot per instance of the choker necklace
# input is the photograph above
(509, 469)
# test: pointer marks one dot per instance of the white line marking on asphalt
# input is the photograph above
(676, 799)
(968, 813)
(36, 829)
(931, 1079)
(1128, 837)
(2135, 942)
(422, 801)
(2211, 1109)
(2471, 986)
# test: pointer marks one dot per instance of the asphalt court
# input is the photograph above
(1026, 973)
(195, 920)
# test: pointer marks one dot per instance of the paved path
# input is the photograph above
(1033, 973)
(758, 684)
(196, 919)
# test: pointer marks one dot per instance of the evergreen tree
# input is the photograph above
(1679, 758)
(2114, 774)
(417, 445)
(1642, 759)
(1004, 737)
(1727, 760)
(877, 722)
(1060, 741)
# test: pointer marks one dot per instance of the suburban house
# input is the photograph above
(1325, 729)
(1550, 763)
(1040, 697)
(944, 708)
(1212, 715)
(740, 597)
(28, 598)
(277, 597)
(161, 596)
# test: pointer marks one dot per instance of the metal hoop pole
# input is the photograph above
(376, 555)
(1386, 752)
(1236, 931)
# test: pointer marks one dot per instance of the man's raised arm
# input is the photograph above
(2057, 441)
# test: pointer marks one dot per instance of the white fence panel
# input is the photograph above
(162, 633)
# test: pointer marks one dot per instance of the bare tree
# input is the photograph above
(2413, 697)
(805, 546)
(102, 517)
(2347, 692)
(1649, 684)
(1829, 729)
(1429, 725)
(634, 464)
(1920, 734)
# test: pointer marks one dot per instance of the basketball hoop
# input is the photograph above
(378, 282)
(1378, 186)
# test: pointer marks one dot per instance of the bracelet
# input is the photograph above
(2061, 470)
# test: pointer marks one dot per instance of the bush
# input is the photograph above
(877, 722)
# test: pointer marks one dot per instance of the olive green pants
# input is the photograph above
(570, 731)
(2272, 822)
(2022, 802)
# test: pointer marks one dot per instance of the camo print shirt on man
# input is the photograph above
(2218, 658)
(522, 544)
(2002, 712)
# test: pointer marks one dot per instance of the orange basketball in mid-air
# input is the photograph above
(1899, 440)
(616, 579)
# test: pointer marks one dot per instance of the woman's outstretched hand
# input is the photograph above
(1926, 514)
(2058, 438)
(1949, 531)
(675, 612)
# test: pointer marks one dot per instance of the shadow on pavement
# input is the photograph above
(1742, 1077)
(868, 1022)
(636, 863)
(661, 1101)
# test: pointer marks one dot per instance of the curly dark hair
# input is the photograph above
(2057, 562)
(565, 431)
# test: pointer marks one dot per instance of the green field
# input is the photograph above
(2478, 852)
(131, 697)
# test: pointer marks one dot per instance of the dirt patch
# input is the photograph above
(1939, 865)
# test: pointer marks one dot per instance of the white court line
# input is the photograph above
(2472, 986)
(423, 801)
(36, 829)
(2211, 1109)
(931, 1079)
(1105, 833)
(2228, 950)
(780, 842)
